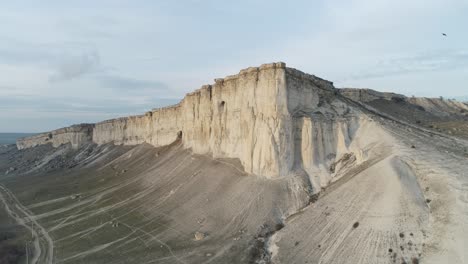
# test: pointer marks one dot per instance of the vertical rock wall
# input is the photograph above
(241, 116)
(75, 135)
(254, 116)
(321, 143)
(159, 128)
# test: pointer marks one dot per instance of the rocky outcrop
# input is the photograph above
(367, 95)
(76, 135)
(437, 106)
(275, 120)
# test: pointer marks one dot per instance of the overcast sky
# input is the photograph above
(66, 62)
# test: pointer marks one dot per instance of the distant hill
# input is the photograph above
(10, 138)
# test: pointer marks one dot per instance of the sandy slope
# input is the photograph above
(440, 164)
(408, 207)
(144, 205)
(383, 207)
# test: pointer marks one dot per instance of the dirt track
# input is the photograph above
(43, 251)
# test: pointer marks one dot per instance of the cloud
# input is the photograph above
(118, 106)
(73, 61)
(441, 60)
(130, 84)
(19, 56)
(77, 66)
(7, 90)
(64, 61)
(92, 28)
(41, 54)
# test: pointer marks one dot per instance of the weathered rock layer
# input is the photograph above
(251, 116)
(76, 135)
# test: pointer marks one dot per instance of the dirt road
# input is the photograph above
(43, 250)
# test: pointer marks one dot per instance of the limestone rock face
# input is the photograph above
(75, 135)
(269, 117)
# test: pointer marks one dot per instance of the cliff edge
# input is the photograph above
(251, 116)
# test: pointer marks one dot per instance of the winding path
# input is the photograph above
(43, 251)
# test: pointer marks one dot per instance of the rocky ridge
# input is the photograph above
(252, 116)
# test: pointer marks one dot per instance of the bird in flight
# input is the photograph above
(443, 34)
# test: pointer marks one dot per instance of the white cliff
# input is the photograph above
(76, 135)
(276, 120)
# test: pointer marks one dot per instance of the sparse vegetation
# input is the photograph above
(356, 224)
(314, 198)
(279, 226)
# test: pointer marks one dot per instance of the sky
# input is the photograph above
(67, 62)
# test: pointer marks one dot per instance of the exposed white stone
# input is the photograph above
(255, 116)
(75, 135)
